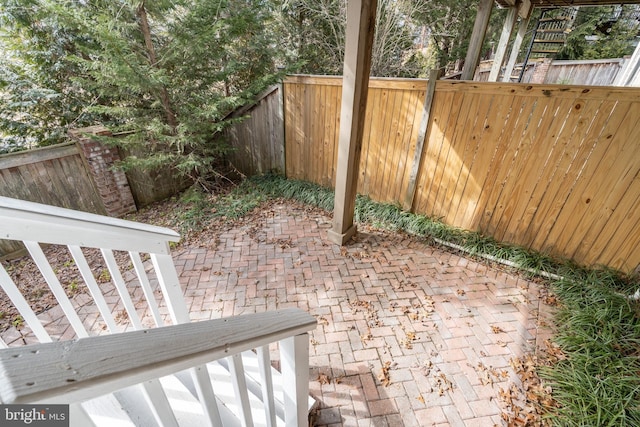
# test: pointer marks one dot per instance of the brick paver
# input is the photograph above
(443, 327)
(446, 325)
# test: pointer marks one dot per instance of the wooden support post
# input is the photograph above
(515, 49)
(477, 38)
(434, 75)
(501, 50)
(630, 70)
(361, 18)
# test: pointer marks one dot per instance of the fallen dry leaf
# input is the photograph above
(497, 330)
(366, 337)
(324, 379)
(384, 378)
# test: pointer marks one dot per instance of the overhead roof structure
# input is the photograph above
(517, 8)
(567, 3)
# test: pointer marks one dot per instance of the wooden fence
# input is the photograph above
(589, 72)
(51, 175)
(593, 72)
(257, 142)
(549, 167)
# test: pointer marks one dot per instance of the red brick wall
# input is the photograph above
(540, 71)
(111, 184)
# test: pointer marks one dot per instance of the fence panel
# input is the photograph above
(593, 72)
(392, 123)
(258, 141)
(552, 168)
(52, 175)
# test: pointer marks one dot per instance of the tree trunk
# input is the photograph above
(153, 61)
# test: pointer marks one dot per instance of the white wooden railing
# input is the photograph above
(124, 378)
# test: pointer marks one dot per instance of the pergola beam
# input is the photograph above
(477, 38)
(501, 50)
(515, 49)
(361, 18)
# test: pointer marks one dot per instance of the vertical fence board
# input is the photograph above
(258, 141)
(441, 176)
(614, 189)
(602, 159)
(464, 157)
(426, 190)
(410, 135)
(573, 205)
(488, 145)
(558, 187)
(503, 165)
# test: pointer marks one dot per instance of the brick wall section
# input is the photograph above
(540, 71)
(111, 184)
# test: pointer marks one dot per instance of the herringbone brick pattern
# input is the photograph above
(408, 334)
(443, 327)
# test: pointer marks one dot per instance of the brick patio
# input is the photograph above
(443, 327)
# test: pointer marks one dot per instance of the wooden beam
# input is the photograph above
(361, 18)
(525, 9)
(477, 38)
(501, 50)
(515, 49)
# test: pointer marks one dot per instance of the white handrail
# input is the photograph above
(22, 220)
(78, 370)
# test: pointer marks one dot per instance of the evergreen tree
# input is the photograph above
(313, 35)
(39, 97)
(167, 72)
(602, 32)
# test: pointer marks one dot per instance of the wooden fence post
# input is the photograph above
(281, 154)
(434, 75)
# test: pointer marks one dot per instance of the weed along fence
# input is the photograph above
(549, 167)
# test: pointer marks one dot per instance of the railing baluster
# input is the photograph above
(54, 284)
(90, 281)
(206, 396)
(117, 280)
(23, 306)
(239, 381)
(159, 404)
(266, 381)
(170, 285)
(146, 287)
(78, 416)
(294, 355)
